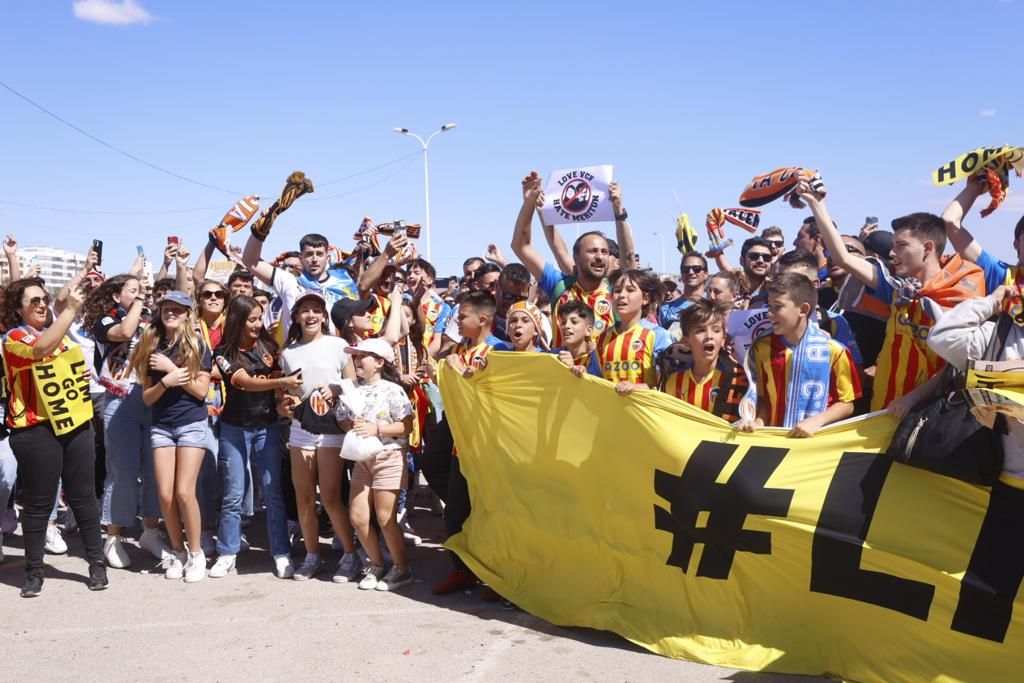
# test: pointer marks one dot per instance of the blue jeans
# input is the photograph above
(8, 471)
(208, 484)
(127, 427)
(237, 446)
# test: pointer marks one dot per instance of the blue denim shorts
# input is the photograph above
(191, 435)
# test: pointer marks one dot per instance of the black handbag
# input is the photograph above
(941, 434)
(316, 414)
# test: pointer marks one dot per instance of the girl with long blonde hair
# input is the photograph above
(174, 365)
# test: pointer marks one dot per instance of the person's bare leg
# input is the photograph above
(304, 473)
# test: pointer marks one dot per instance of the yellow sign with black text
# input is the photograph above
(63, 388)
(644, 516)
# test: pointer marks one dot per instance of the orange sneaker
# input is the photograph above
(457, 580)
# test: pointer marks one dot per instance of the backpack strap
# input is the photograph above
(997, 343)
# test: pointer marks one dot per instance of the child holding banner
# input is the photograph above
(800, 378)
(576, 323)
(174, 364)
(49, 413)
(714, 383)
(629, 350)
(476, 318)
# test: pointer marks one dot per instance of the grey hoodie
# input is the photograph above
(963, 334)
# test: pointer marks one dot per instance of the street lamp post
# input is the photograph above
(662, 238)
(426, 173)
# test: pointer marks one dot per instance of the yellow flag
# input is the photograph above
(970, 163)
(647, 517)
(64, 389)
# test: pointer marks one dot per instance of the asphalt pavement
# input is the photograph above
(253, 626)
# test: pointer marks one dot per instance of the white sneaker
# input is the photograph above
(224, 565)
(115, 554)
(55, 544)
(309, 567)
(195, 567)
(152, 541)
(174, 565)
(371, 575)
(348, 568)
(207, 544)
(283, 567)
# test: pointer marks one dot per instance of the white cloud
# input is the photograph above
(987, 113)
(112, 12)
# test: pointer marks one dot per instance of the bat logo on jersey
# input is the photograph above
(637, 345)
(319, 404)
(603, 307)
(268, 360)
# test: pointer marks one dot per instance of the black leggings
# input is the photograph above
(43, 460)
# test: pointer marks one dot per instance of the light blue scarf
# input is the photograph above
(808, 387)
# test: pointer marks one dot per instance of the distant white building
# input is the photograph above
(57, 266)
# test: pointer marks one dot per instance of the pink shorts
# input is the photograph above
(385, 471)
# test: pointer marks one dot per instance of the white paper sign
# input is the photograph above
(578, 195)
(746, 327)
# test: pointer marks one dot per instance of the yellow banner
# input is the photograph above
(644, 516)
(970, 163)
(63, 389)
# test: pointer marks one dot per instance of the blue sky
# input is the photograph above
(696, 96)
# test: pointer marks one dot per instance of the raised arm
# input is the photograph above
(62, 296)
(522, 246)
(252, 257)
(50, 339)
(11, 252)
(396, 327)
(557, 245)
(959, 237)
(181, 280)
(857, 267)
(494, 255)
(170, 251)
(372, 274)
(623, 233)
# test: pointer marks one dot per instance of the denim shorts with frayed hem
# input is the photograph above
(191, 435)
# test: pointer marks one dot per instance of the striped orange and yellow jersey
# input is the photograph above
(772, 364)
(25, 407)
(562, 288)
(435, 314)
(472, 354)
(906, 360)
(718, 393)
(379, 315)
(631, 355)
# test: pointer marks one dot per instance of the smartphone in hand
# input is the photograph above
(97, 246)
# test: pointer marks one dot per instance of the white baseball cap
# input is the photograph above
(375, 346)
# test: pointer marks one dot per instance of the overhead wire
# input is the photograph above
(106, 144)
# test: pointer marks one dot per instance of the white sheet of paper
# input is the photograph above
(578, 195)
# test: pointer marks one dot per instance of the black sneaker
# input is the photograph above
(33, 584)
(98, 576)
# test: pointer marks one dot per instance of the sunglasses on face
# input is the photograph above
(759, 256)
(775, 244)
(212, 294)
(692, 269)
(39, 300)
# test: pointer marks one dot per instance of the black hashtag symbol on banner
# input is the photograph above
(727, 506)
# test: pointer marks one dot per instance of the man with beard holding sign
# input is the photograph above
(590, 254)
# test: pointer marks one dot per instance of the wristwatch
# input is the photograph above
(622, 216)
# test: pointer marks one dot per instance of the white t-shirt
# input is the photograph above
(322, 362)
(384, 402)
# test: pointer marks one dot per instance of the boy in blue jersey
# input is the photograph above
(314, 277)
